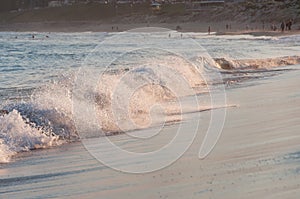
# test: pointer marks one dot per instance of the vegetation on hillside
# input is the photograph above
(249, 11)
(260, 10)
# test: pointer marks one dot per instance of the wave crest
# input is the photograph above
(18, 134)
(228, 64)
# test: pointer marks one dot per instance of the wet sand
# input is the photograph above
(257, 156)
(94, 26)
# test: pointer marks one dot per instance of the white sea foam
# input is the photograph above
(227, 63)
(17, 135)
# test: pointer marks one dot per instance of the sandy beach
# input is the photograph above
(89, 109)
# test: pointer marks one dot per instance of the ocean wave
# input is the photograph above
(128, 96)
(228, 64)
(128, 92)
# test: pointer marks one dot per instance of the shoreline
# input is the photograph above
(95, 26)
(262, 33)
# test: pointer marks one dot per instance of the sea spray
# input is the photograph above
(17, 134)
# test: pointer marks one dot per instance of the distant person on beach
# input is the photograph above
(227, 26)
(178, 28)
(209, 30)
(289, 25)
(273, 27)
(282, 26)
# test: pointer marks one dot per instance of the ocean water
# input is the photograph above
(130, 81)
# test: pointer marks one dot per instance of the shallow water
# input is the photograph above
(28, 63)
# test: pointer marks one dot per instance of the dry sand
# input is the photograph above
(93, 26)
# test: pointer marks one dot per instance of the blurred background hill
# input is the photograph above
(161, 11)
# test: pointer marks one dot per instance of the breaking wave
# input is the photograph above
(228, 64)
(127, 96)
(18, 134)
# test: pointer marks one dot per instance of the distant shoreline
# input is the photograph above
(262, 33)
(95, 26)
